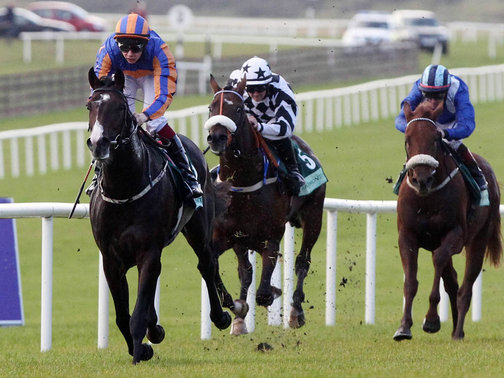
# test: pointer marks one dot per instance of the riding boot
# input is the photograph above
(177, 152)
(470, 162)
(294, 179)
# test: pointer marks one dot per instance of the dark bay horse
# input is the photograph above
(136, 210)
(258, 211)
(435, 212)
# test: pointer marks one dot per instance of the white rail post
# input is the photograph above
(103, 306)
(443, 303)
(370, 267)
(288, 257)
(206, 326)
(331, 245)
(251, 295)
(46, 294)
(275, 309)
(476, 299)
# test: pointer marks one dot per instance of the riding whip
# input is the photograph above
(80, 191)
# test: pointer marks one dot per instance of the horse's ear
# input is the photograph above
(94, 82)
(241, 85)
(407, 111)
(119, 80)
(214, 85)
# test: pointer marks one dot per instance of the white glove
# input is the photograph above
(141, 118)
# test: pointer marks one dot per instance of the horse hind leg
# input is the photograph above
(474, 261)
(451, 288)
(311, 232)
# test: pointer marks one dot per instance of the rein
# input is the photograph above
(259, 141)
(119, 140)
(424, 159)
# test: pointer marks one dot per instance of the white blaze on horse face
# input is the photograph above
(96, 132)
(229, 102)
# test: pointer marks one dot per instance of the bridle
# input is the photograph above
(429, 160)
(129, 120)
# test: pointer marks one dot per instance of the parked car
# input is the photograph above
(369, 28)
(420, 27)
(68, 12)
(24, 20)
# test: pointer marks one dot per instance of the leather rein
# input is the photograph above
(425, 159)
(124, 140)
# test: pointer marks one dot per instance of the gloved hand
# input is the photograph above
(141, 118)
(253, 122)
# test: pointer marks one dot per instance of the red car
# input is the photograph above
(68, 12)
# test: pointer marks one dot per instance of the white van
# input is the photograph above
(420, 27)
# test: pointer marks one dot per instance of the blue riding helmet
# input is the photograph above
(435, 78)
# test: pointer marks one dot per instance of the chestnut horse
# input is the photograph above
(136, 210)
(435, 212)
(259, 209)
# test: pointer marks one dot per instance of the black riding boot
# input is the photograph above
(294, 179)
(468, 159)
(178, 154)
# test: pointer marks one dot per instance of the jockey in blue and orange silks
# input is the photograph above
(147, 63)
(455, 123)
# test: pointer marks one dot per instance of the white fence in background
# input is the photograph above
(63, 145)
(48, 211)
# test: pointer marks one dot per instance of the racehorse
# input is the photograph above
(435, 212)
(259, 208)
(136, 210)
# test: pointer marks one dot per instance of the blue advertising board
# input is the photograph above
(11, 302)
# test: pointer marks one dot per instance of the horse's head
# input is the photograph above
(110, 121)
(423, 145)
(227, 117)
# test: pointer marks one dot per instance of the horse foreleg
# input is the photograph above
(144, 315)
(118, 286)
(266, 294)
(474, 261)
(409, 258)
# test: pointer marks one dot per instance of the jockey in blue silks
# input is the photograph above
(147, 64)
(455, 123)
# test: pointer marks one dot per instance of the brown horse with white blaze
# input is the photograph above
(259, 209)
(435, 212)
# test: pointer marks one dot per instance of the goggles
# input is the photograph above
(256, 88)
(434, 95)
(134, 48)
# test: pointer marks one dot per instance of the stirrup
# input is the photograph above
(484, 200)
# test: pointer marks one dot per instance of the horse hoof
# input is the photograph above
(224, 322)
(156, 335)
(403, 334)
(431, 327)
(239, 327)
(240, 308)
(297, 318)
(276, 292)
(145, 354)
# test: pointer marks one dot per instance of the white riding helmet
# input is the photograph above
(257, 71)
(234, 78)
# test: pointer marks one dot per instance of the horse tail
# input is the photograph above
(494, 246)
